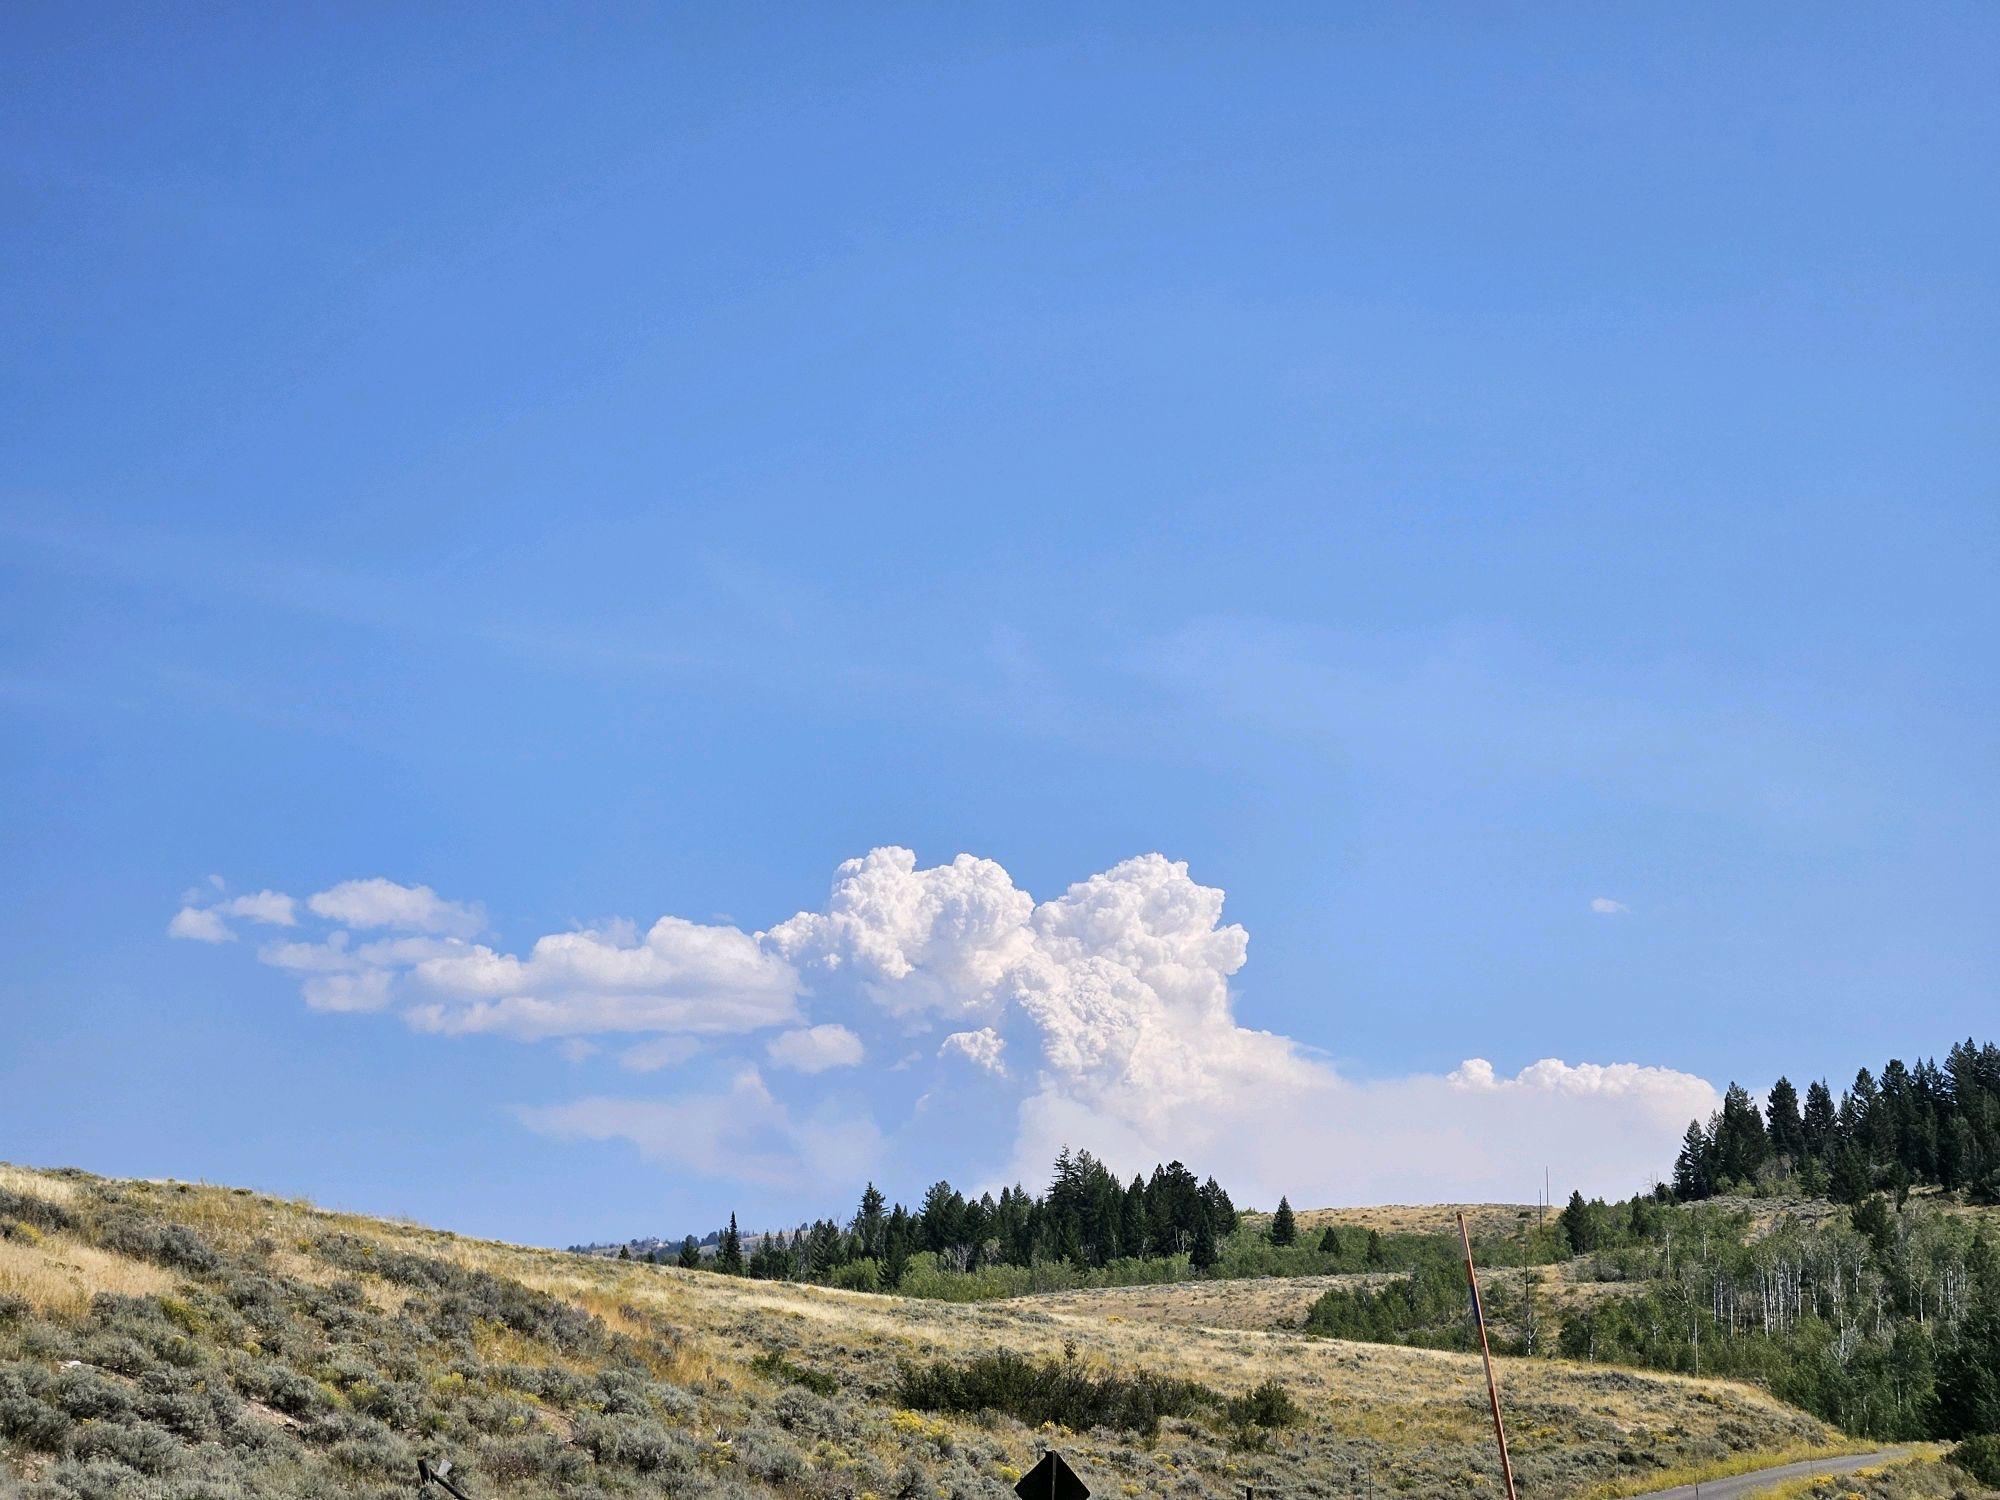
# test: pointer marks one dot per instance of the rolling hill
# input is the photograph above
(203, 1343)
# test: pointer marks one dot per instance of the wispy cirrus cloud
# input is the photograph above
(741, 1133)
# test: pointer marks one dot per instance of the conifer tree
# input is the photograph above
(1329, 1243)
(1284, 1227)
(729, 1255)
(1740, 1146)
(1851, 1179)
(1787, 1129)
(1132, 1218)
(1201, 1254)
(690, 1256)
(1221, 1212)
(896, 1247)
(1691, 1173)
(1818, 1121)
(1968, 1376)
(1579, 1225)
(868, 1223)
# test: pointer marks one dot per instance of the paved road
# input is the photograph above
(1735, 1486)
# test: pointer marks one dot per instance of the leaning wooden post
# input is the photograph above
(1486, 1353)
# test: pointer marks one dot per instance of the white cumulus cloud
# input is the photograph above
(1122, 986)
(201, 925)
(406, 908)
(361, 990)
(814, 1049)
(272, 907)
(202, 919)
(938, 939)
(1604, 906)
(1110, 1009)
(984, 1048)
(680, 977)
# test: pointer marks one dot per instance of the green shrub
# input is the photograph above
(281, 1387)
(857, 1276)
(1429, 1307)
(1267, 1405)
(1979, 1457)
(1059, 1391)
(774, 1364)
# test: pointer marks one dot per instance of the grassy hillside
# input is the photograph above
(175, 1340)
(1881, 1319)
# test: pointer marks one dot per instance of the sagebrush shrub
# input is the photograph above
(26, 1208)
(634, 1443)
(172, 1245)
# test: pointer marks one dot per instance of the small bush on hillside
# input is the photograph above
(25, 1416)
(26, 1208)
(175, 1246)
(137, 1445)
(462, 1297)
(1267, 1405)
(1979, 1457)
(774, 1364)
(635, 1443)
(1060, 1391)
(513, 1461)
(857, 1276)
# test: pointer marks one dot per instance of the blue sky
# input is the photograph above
(1426, 470)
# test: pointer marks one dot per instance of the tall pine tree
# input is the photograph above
(1787, 1129)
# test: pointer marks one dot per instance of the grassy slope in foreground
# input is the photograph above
(249, 1346)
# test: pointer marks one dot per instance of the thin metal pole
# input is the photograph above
(1486, 1353)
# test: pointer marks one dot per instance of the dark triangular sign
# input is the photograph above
(1052, 1479)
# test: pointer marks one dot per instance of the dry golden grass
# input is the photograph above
(1741, 1463)
(1400, 1398)
(1258, 1302)
(37, 1184)
(1413, 1218)
(58, 1275)
(1767, 1214)
(1418, 1412)
(1921, 1473)
(1279, 1302)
